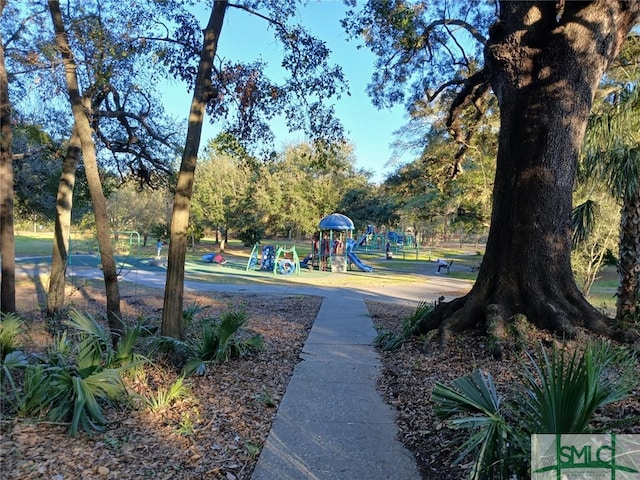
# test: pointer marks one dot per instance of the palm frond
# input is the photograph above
(220, 341)
(389, 340)
(164, 397)
(583, 220)
(94, 343)
(564, 390)
(473, 403)
(11, 329)
(472, 394)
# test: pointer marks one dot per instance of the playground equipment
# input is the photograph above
(353, 258)
(290, 263)
(266, 261)
(126, 247)
(373, 240)
(214, 257)
(271, 262)
(334, 247)
(252, 263)
(365, 237)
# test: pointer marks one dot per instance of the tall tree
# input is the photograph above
(203, 92)
(221, 185)
(244, 95)
(543, 61)
(7, 241)
(81, 111)
(431, 197)
(62, 231)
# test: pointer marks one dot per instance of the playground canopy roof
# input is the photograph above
(336, 221)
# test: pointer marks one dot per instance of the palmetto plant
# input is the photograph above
(563, 390)
(12, 359)
(190, 312)
(221, 341)
(472, 403)
(164, 397)
(389, 340)
(559, 393)
(218, 341)
(10, 364)
(73, 380)
(11, 329)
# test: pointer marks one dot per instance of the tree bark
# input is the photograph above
(80, 115)
(64, 204)
(628, 295)
(544, 67)
(7, 238)
(172, 324)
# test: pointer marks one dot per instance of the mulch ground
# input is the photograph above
(217, 432)
(410, 373)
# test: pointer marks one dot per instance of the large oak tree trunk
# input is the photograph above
(544, 67)
(64, 203)
(172, 324)
(7, 239)
(80, 116)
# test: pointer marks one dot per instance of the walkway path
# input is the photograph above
(332, 423)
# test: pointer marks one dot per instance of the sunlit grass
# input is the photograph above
(408, 266)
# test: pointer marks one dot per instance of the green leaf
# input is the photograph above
(11, 329)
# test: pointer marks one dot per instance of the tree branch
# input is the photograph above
(432, 96)
(460, 23)
(258, 14)
(473, 90)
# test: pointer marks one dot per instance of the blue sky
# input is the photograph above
(370, 130)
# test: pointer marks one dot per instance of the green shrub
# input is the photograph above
(72, 381)
(557, 394)
(189, 313)
(389, 340)
(164, 397)
(251, 236)
(11, 329)
(563, 391)
(474, 404)
(11, 398)
(222, 341)
(218, 341)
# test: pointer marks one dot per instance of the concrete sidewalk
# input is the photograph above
(332, 424)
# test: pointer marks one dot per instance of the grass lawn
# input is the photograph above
(407, 266)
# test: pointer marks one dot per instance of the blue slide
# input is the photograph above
(354, 258)
(358, 263)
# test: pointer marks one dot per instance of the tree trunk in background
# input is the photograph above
(544, 67)
(7, 238)
(172, 324)
(628, 294)
(64, 204)
(80, 115)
